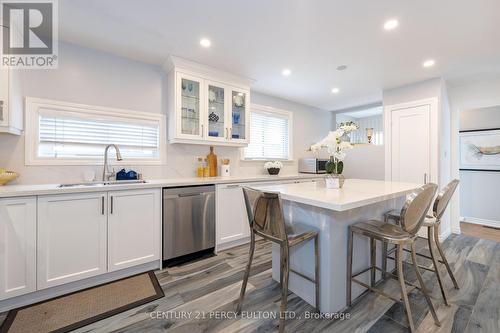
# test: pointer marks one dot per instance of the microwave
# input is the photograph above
(312, 165)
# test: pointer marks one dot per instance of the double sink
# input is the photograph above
(103, 183)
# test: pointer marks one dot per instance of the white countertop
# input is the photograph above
(45, 189)
(355, 193)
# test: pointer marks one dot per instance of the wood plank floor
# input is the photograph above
(198, 294)
(480, 231)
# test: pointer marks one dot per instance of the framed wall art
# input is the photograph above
(480, 150)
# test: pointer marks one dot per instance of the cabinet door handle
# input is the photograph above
(202, 131)
(233, 186)
(111, 205)
(102, 205)
(227, 134)
(425, 178)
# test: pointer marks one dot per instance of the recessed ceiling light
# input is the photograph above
(205, 42)
(286, 72)
(341, 67)
(335, 90)
(429, 63)
(391, 24)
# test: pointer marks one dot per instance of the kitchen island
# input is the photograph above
(331, 211)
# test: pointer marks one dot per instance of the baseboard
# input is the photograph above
(444, 234)
(456, 230)
(475, 220)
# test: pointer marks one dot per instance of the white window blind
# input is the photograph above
(70, 136)
(67, 133)
(269, 136)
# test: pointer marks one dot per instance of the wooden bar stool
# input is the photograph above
(432, 223)
(265, 215)
(412, 216)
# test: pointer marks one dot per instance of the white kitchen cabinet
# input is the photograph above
(231, 215)
(232, 227)
(17, 246)
(206, 106)
(72, 235)
(134, 227)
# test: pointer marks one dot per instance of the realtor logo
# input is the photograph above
(29, 34)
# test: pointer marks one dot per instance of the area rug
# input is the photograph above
(69, 312)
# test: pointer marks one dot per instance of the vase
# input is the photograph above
(334, 181)
(273, 171)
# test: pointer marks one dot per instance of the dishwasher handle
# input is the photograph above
(184, 195)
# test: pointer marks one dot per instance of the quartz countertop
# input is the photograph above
(46, 189)
(355, 193)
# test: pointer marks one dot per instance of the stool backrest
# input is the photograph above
(415, 208)
(443, 198)
(265, 214)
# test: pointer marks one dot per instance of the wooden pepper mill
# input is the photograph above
(212, 162)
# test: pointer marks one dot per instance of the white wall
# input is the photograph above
(479, 195)
(91, 77)
(364, 161)
(468, 95)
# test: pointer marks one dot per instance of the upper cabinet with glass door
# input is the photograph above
(190, 104)
(206, 106)
(217, 128)
(239, 115)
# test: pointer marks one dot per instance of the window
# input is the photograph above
(270, 134)
(366, 118)
(66, 133)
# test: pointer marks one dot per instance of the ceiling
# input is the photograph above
(369, 112)
(259, 38)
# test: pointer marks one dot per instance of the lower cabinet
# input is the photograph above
(72, 236)
(232, 219)
(84, 235)
(134, 227)
(232, 227)
(17, 246)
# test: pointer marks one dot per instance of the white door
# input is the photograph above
(134, 227)
(410, 144)
(71, 237)
(232, 219)
(17, 246)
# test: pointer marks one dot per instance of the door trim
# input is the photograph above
(433, 118)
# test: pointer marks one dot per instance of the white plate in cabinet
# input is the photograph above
(72, 237)
(17, 246)
(232, 219)
(134, 227)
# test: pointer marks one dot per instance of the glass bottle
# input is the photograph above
(200, 169)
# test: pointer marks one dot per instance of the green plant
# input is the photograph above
(334, 167)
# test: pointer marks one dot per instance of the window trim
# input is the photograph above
(32, 105)
(263, 109)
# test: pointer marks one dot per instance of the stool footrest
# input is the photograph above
(303, 276)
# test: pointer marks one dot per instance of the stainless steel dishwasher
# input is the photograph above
(188, 222)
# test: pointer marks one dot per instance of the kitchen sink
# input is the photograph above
(105, 183)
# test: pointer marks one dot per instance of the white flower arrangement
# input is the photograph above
(273, 165)
(336, 147)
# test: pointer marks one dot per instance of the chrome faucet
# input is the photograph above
(106, 174)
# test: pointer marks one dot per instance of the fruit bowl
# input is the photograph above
(7, 176)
